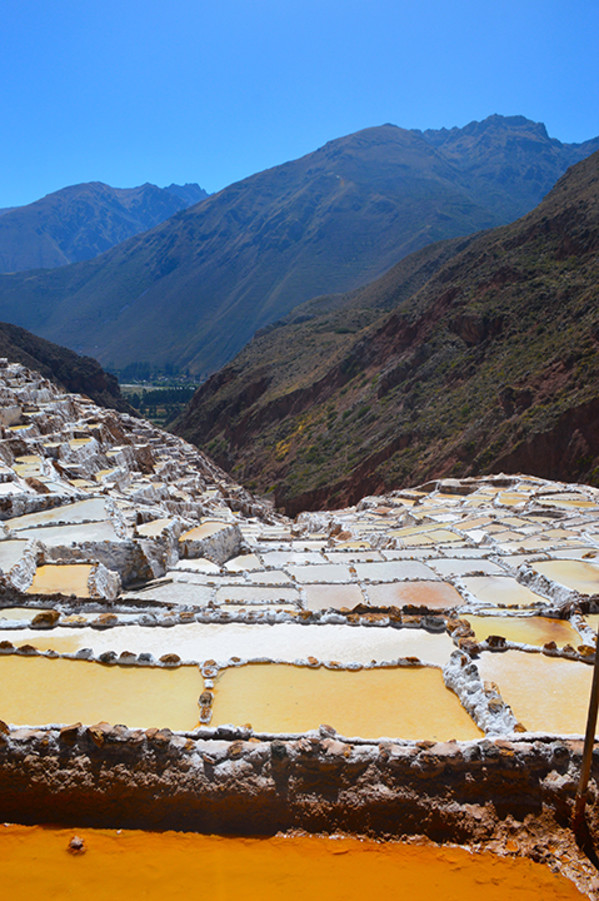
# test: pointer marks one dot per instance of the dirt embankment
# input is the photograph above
(229, 782)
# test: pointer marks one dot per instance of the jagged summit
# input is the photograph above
(81, 221)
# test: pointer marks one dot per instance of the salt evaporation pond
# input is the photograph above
(535, 630)
(398, 702)
(70, 579)
(48, 641)
(38, 690)
(17, 614)
(547, 694)
(575, 574)
(283, 641)
(133, 864)
(501, 591)
(433, 595)
(10, 553)
(323, 597)
(67, 534)
(90, 510)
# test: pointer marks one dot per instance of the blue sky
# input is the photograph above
(187, 90)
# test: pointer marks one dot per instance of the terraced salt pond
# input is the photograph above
(10, 553)
(575, 574)
(17, 614)
(546, 694)
(222, 641)
(89, 510)
(322, 620)
(125, 863)
(65, 535)
(535, 630)
(501, 591)
(432, 595)
(406, 702)
(43, 690)
(67, 579)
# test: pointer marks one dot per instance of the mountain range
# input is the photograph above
(81, 221)
(472, 356)
(192, 291)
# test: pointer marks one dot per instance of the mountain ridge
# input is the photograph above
(81, 221)
(199, 285)
(491, 364)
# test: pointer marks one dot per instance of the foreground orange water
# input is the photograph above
(35, 863)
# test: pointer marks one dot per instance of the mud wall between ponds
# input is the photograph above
(222, 781)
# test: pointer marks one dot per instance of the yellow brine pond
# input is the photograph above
(535, 630)
(547, 694)
(68, 579)
(393, 702)
(575, 574)
(39, 690)
(35, 863)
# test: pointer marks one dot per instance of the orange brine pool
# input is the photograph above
(535, 630)
(39, 690)
(72, 578)
(394, 702)
(35, 863)
(547, 694)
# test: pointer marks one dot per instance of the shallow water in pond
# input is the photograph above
(576, 574)
(321, 597)
(48, 641)
(547, 694)
(433, 595)
(401, 702)
(57, 536)
(591, 619)
(18, 613)
(90, 510)
(149, 865)
(536, 630)
(10, 553)
(38, 690)
(501, 590)
(283, 641)
(204, 530)
(69, 579)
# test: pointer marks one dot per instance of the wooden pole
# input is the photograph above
(587, 754)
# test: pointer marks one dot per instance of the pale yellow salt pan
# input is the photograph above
(69, 579)
(402, 702)
(38, 690)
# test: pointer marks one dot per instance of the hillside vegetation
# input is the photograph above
(81, 375)
(491, 364)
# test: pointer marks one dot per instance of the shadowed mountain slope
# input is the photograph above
(82, 221)
(193, 290)
(492, 364)
(80, 375)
